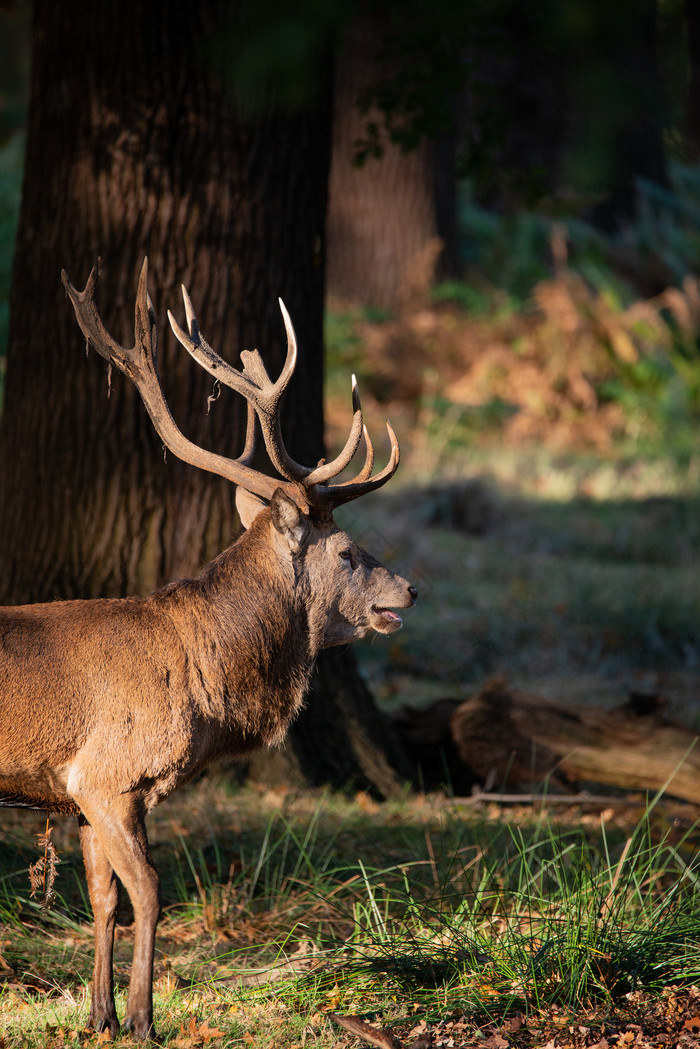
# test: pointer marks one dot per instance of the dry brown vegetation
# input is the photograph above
(539, 375)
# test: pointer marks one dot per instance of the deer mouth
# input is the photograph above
(386, 621)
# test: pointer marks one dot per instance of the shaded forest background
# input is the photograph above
(510, 266)
(511, 259)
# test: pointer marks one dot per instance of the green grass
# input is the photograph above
(575, 578)
(280, 909)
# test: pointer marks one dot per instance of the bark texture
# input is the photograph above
(515, 737)
(507, 739)
(383, 237)
(135, 146)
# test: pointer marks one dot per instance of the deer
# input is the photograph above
(108, 705)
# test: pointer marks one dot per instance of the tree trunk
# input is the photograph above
(135, 146)
(383, 238)
(132, 150)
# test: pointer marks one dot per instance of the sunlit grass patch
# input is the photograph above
(285, 908)
(506, 916)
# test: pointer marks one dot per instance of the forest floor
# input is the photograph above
(553, 531)
(293, 918)
(554, 535)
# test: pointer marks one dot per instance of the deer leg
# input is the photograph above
(103, 888)
(119, 825)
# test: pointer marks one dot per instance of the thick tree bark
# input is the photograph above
(383, 236)
(133, 150)
(134, 147)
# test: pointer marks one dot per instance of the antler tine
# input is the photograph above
(307, 486)
(246, 456)
(330, 496)
(90, 321)
(253, 383)
(139, 364)
(314, 482)
(290, 362)
(326, 471)
(198, 348)
(366, 471)
(306, 476)
(270, 419)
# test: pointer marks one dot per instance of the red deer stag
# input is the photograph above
(109, 705)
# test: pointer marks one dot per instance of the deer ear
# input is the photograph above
(289, 521)
(248, 506)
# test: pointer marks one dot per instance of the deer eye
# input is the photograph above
(346, 555)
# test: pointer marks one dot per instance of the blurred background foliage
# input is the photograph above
(569, 312)
(577, 201)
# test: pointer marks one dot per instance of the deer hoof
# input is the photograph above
(139, 1028)
(108, 1022)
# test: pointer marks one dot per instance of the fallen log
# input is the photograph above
(506, 737)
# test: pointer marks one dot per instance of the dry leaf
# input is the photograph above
(373, 1035)
(496, 1041)
(198, 1034)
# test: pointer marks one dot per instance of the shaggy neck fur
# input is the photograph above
(254, 647)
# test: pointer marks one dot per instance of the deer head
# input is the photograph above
(354, 593)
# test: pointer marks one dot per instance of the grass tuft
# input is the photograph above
(274, 919)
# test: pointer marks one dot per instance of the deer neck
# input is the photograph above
(246, 627)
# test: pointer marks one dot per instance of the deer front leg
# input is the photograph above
(118, 824)
(103, 888)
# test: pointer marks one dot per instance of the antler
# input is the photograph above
(306, 485)
(255, 384)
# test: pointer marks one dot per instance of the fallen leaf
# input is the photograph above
(418, 1029)
(197, 1034)
(373, 1035)
(496, 1041)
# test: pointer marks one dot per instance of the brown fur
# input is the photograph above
(108, 706)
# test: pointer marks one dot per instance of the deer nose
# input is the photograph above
(413, 592)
